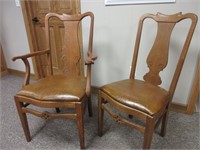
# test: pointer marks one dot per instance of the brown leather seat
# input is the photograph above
(55, 88)
(138, 94)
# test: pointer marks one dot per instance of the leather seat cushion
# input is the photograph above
(138, 95)
(55, 88)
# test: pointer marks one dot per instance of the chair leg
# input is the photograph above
(164, 124)
(23, 119)
(130, 116)
(100, 116)
(80, 124)
(90, 107)
(148, 134)
(57, 110)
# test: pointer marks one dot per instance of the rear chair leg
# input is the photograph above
(90, 106)
(100, 115)
(58, 110)
(164, 124)
(23, 119)
(130, 116)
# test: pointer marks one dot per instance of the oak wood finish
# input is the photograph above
(34, 13)
(71, 88)
(145, 99)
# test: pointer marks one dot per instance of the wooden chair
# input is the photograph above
(71, 89)
(145, 99)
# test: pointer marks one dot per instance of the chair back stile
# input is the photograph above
(183, 53)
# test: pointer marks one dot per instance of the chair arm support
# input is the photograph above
(88, 81)
(27, 65)
(89, 61)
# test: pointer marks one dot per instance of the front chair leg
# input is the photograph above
(90, 106)
(148, 134)
(23, 119)
(80, 124)
(100, 116)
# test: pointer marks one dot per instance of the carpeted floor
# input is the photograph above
(182, 131)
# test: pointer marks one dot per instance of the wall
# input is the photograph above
(1, 17)
(13, 34)
(114, 36)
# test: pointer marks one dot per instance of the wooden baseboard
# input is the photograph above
(19, 73)
(195, 91)
(3, 73)
(178, 107)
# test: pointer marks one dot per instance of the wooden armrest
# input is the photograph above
(27, 65)
(90, 59)
(31, 55)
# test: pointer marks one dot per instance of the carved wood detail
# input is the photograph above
(158, 56)
(47, 115)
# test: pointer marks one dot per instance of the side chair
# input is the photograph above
(146, 99)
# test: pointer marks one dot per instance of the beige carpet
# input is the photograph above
(58, 134)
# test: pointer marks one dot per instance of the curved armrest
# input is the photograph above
(27, 65)
(31, 55)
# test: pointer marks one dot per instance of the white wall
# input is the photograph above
(1, 14)
(114, 36)
(13, 34)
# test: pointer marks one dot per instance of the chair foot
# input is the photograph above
(57, 110)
